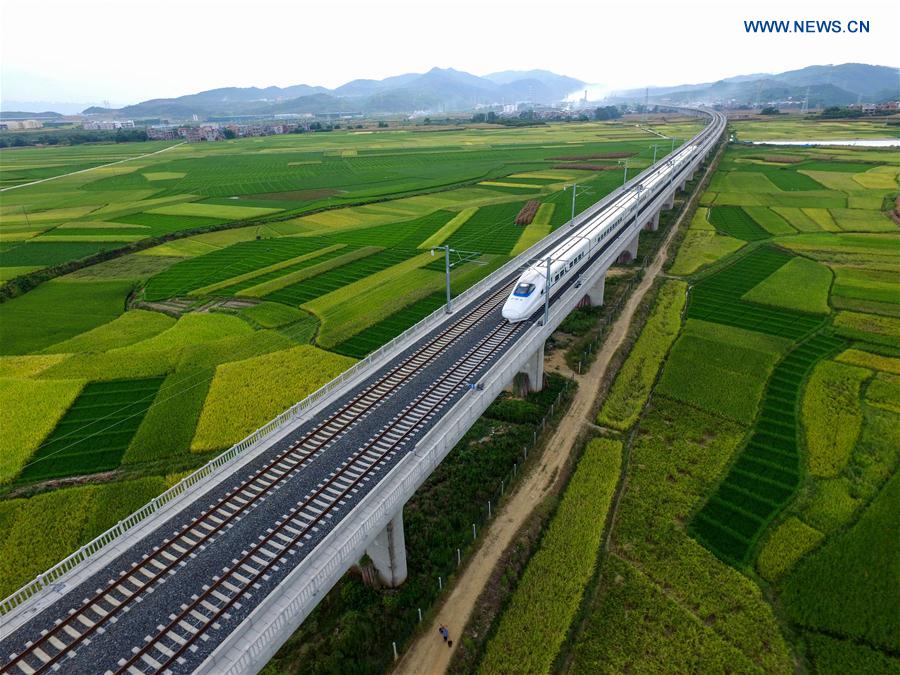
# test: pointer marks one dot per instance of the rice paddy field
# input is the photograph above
(798, 129)
(758, 413)
(285, 259)
(753, 529)
(194, 187)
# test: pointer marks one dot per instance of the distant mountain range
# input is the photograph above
(448, 90)
(827, 86)
(440, 89)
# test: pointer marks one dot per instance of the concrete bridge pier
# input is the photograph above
(670, 200)
(629, 253)
(594, 293)
(388, 552)
(531, 377)
(653, 223)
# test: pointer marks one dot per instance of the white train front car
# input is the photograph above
(526, 297)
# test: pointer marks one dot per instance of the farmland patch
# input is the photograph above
(832, 416)
(800, 285)
(56, 311)
(734, 221)
(767, 471)
(634, 381)
(244, 395)
(95, 432)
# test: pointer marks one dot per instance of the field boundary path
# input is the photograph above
(428, 653)
(72, 173)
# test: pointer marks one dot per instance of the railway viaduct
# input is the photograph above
(215, 574)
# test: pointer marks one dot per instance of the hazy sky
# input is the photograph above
(126, 51)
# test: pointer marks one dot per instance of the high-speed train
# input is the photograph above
(572, 254)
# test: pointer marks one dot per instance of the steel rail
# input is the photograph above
(459, 371)
(165, 559)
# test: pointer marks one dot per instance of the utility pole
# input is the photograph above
(574, 191)
(654, 153)
(625, 177)
(547, 294)
(673, 145)
(464, 256)
(447, 274)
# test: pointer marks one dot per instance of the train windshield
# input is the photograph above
(523, 290)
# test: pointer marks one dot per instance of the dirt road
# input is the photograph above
(93, 168)
(429, 654)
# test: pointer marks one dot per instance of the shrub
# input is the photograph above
(514, 410)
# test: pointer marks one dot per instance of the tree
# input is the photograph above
(228, 133)
(382, 125)
(769, 110)
(609, 112)
(478, 117)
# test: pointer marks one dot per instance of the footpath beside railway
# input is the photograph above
(428, 654)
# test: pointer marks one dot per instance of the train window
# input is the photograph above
(523, 290)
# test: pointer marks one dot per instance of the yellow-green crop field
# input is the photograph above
(762, 431)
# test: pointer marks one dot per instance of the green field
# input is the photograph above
(756, 416)
(198, 186)
(361, 266)
(632, 387)
(96, 430)
(534, 626)
(753, 532)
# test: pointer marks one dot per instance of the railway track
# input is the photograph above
(165, 650)
(93, 614)
(169, 647)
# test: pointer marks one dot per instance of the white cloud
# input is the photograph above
(130, 50)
